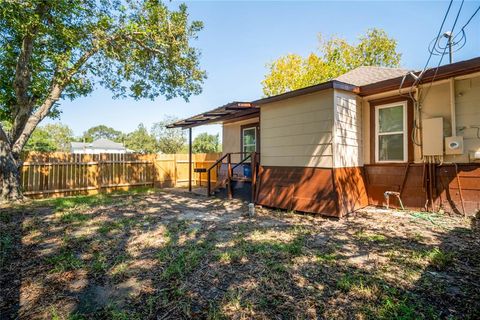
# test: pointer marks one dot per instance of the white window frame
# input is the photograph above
(243, 136)
(404, 132)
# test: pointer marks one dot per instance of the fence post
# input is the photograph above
(154, 169)
(174, 170)
(100, 172)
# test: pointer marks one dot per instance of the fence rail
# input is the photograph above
(53, 174)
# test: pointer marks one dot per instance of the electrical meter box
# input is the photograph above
(454, 145)
(432, 137)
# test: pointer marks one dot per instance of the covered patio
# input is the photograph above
(238, 164)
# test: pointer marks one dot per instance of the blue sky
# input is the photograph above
(239, 38)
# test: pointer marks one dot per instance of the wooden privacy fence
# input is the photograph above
(54, 174)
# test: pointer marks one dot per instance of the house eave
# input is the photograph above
(433, 74)
(238, 110)
(333, 84)
(226, 112)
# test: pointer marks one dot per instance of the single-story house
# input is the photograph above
(98, 146)
(371, 135)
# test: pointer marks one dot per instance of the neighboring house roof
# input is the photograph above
(363, 81)
(107, 144)
(364, 75)
(78, 145)
(98, 144)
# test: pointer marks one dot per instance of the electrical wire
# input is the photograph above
(455, 42)
(469, 20)
(438, 35)
(435, 48)
(443, 54)
(419, 77)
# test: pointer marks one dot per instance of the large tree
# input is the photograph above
(169, 140)
(40, 141)
(56, 49)
(206, 143)
(141, 140)
(51, 137)
(336, 57)
(102, 131)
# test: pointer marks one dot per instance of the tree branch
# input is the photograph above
(35, 119)
(23, 78)
(3, 135)
(56, 91)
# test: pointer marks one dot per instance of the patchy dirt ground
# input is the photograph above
(172, 255)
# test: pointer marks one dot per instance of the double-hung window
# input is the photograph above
(391, 138)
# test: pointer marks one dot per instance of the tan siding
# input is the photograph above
(318, 129)
(231, 136)
(348, 151)
(467, 98)
(468, 115)
(298, 161)
(366, 131)
(298, 132)
(436, 103)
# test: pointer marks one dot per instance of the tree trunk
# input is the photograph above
(10, 189)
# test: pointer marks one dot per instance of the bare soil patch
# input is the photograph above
(172, 255)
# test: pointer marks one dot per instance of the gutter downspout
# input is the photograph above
(452, 107)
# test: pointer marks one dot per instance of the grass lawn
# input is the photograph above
(172, 255)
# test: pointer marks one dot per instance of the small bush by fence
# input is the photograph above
(56, 174)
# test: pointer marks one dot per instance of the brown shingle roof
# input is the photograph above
(363, 81)
(362, 76)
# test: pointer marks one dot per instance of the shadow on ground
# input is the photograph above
(171, 255)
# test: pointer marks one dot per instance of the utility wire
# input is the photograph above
(461, 33)
(444, 52)
(469, 20)
(438, 35)
(418, 78)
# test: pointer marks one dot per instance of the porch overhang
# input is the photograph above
(228, 112)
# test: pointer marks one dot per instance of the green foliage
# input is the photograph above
(440, 259)
(206, 143)
(81, 201)
(72, 217)
(102, 132)
(169, 140)
(6, 246)
(370, 237)
(336, 57)
(64, 261)
(54, 50)
(141, 140)
(184, 260)
(49, 138)
(40, 140)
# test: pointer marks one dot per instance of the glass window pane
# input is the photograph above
(390, 119)
(390, 147)
(249, 149)
(249, 136)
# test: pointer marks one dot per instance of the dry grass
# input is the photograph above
(171, 255)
